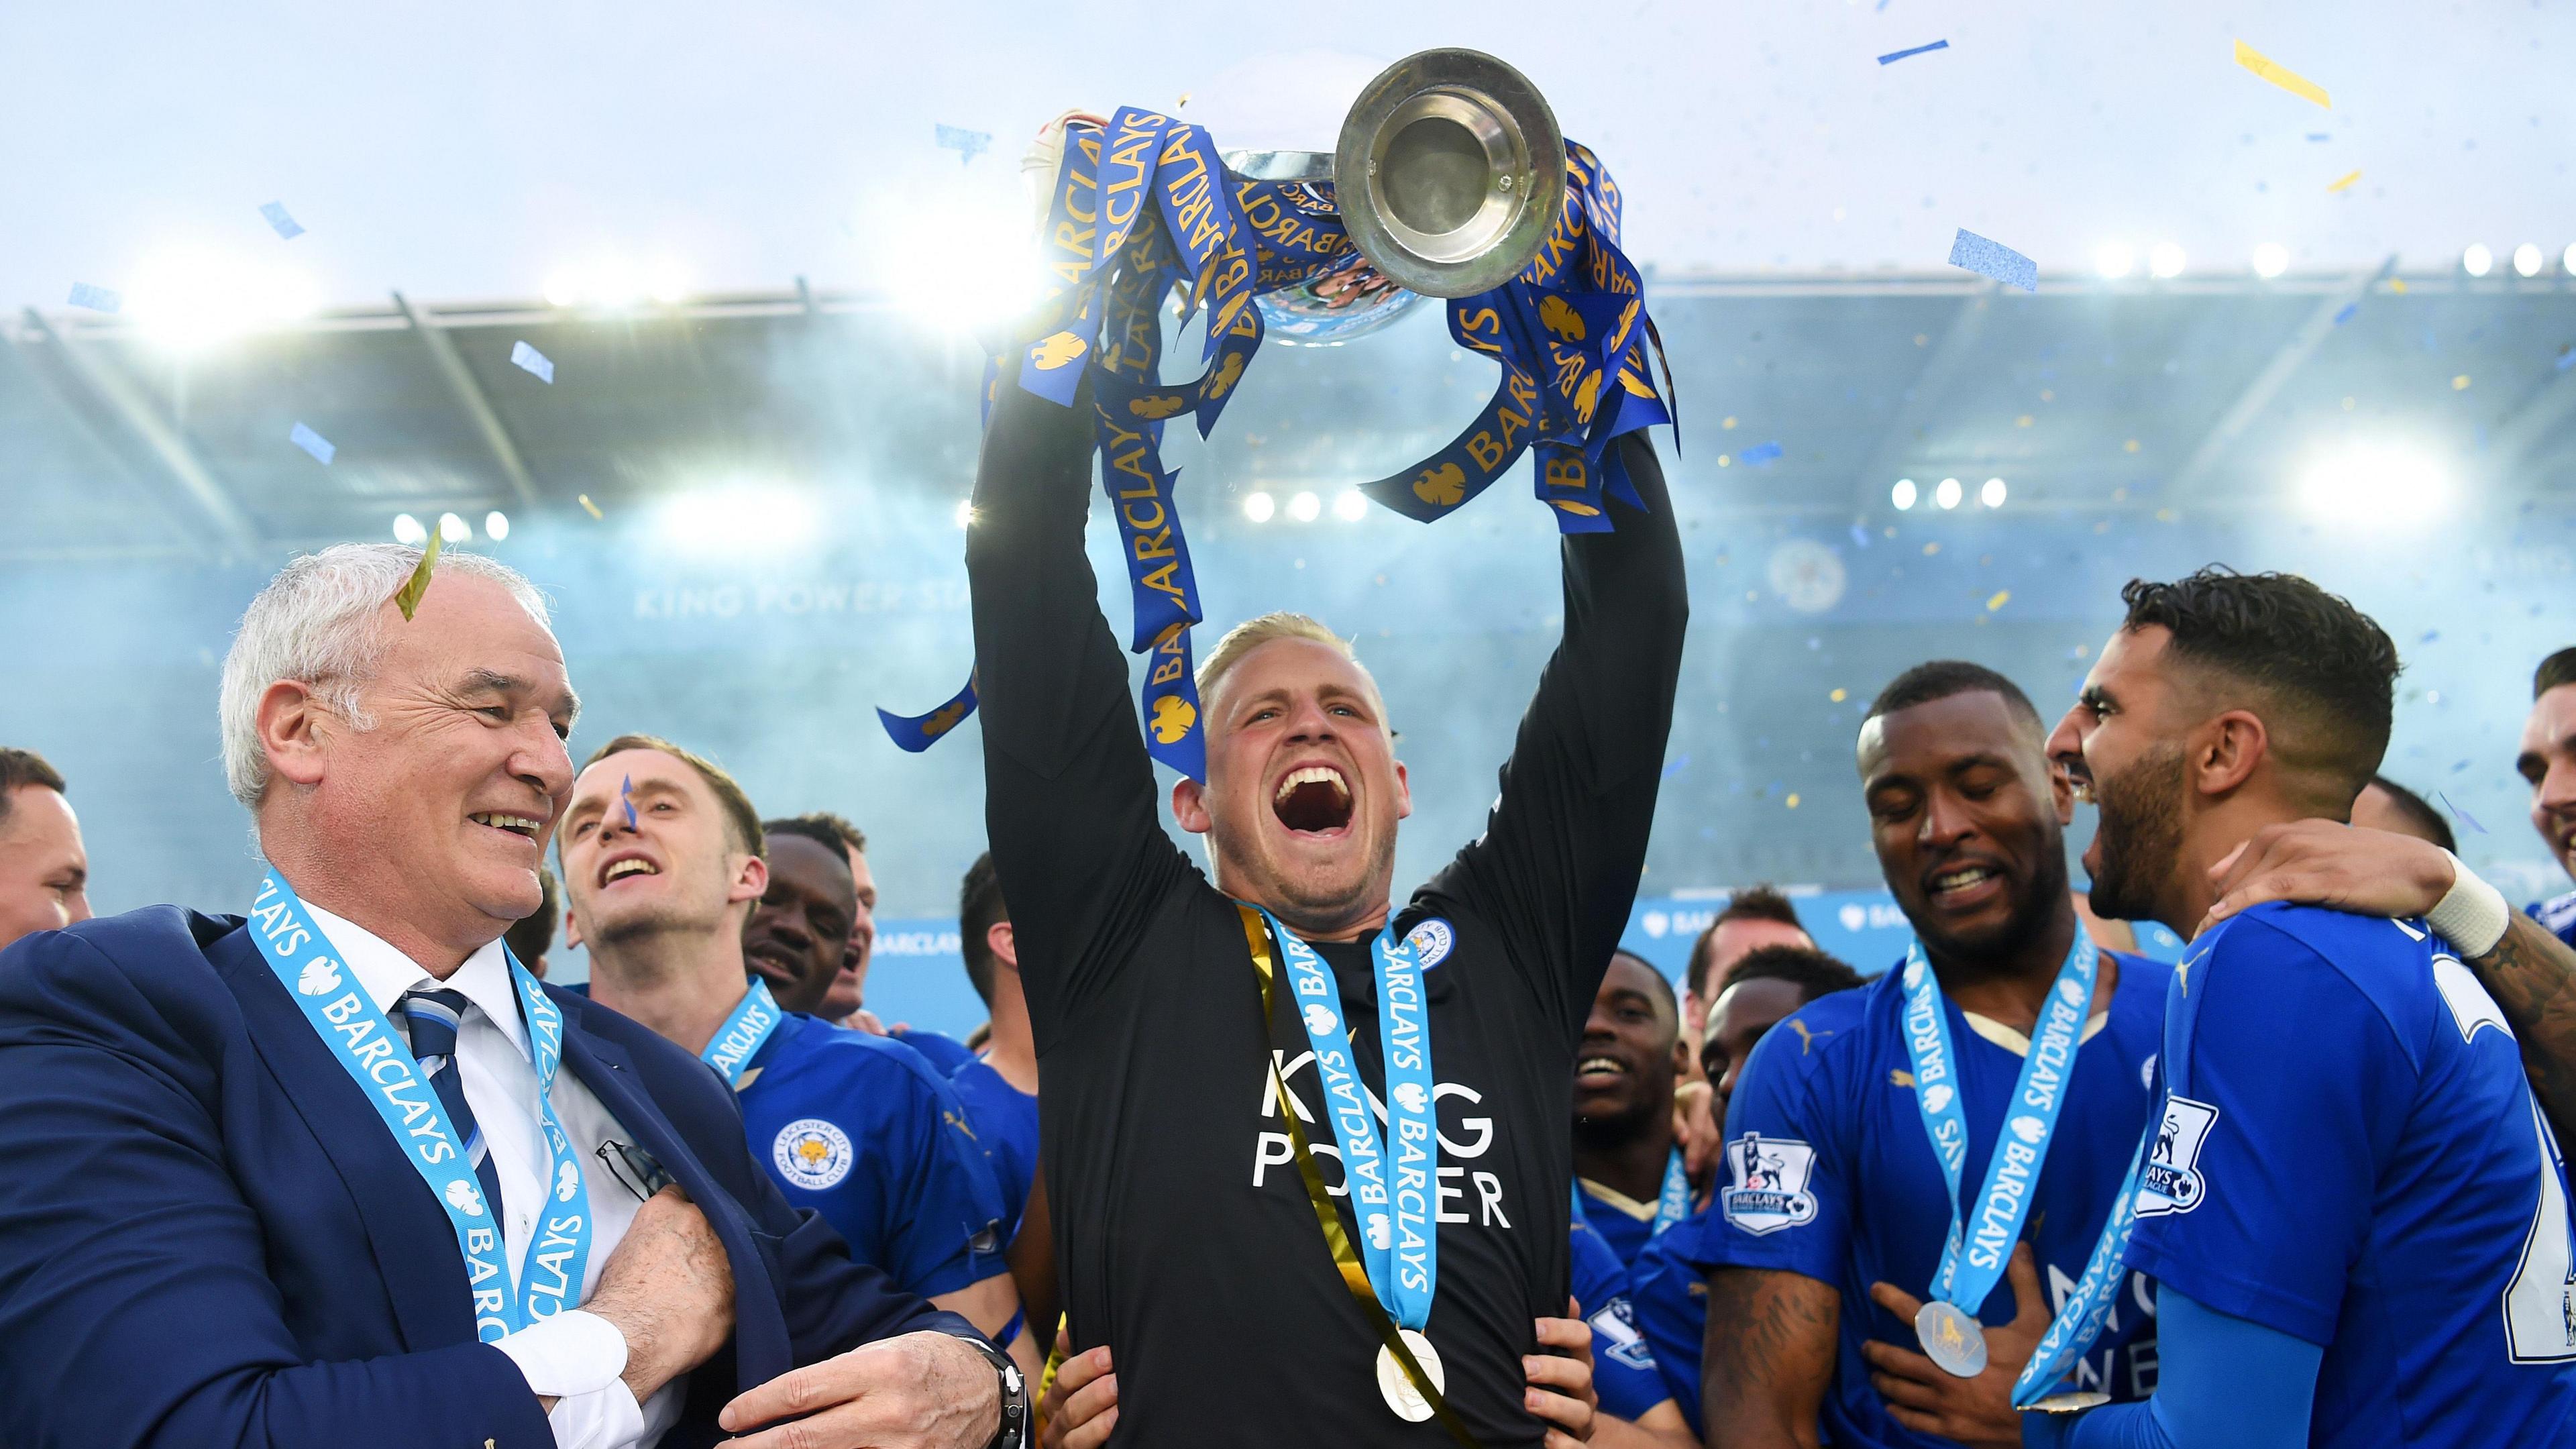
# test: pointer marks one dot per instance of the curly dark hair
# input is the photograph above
(2324, 672)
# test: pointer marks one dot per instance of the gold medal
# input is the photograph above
(2073, 1401)
(1397, 1388)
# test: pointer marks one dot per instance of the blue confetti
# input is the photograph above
(530, 360)
(286, 226)
(312, 442)
(1676, 767)
(2429, 636)
(2566, 356)
(1896, 55)
(1993, 259)
(97, 299)
(2345, 315)
(2319, 136)
(967, 144)
(1860, 536)
(626, 797)
(2466, 818)
(1759, 454)
(2462, 765)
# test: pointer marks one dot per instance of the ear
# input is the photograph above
(2227, 751)
(1189, 806)
(1005, 947)
(1403, 792)
(572, 929)
(295, 731)
(750, 880)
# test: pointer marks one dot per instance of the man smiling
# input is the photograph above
(1625, 1162)
(1176, 1179)
(2548, 761)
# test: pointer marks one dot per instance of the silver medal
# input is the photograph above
(1952, 1339)
(1397, 1389)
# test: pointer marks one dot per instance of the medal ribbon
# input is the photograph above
(356, 1031)
(1570, 334)
(739, 1039)
(2071, 1333)
(1355, 1276)
(1973, 1256)
(1674, 1203)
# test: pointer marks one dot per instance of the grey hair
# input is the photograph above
(321, 622)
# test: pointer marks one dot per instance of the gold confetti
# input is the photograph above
(1724, 461)
(589, 507)
(407, 598)
(2397, 285)
(1930, 549)
(1726, 423)
(2130, 446)
(2001, 598)
(2345, 184)
(2460, 383)
(1793, 800)
(2166, 515)
(1185, 98)
(2025, 420)
(2281, 75)
(1839, 695)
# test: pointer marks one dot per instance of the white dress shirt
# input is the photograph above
(574, 1357)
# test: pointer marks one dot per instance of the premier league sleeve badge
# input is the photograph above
(1768, 1177)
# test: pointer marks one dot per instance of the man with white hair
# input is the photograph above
(344, 1173)
(1192, 1213)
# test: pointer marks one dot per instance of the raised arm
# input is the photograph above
(1069, 790)
(1768, 1359)
(2530, 973)
(1559, 860)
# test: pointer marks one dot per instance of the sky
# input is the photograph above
(469, 150)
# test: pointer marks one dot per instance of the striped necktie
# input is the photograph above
(434, 1014)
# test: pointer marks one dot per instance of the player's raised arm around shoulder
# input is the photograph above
(1768, 1359)
(1069, 790)
(1562, 851)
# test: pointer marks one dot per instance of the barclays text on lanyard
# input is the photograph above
(1147, 205)
(1391, 1182)
(1979, 1243)
(375, 1057)
(755, 1018)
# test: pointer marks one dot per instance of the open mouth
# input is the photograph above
(1598, 1071)
(518, 825)
(1313, 800)
(626, 865)
(1963, 885)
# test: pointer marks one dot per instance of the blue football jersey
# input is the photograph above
(1829, 1174)
(2558, 914)
(2350, 1154)
(1623, 1367)
(1623, 1222)
(944, 1053)
(1668, 1298)
(860, 1129)
(1006, 1121)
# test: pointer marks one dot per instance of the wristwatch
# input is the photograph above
(1014, 1433)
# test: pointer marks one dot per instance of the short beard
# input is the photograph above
(2140, 832)
(1321, 910)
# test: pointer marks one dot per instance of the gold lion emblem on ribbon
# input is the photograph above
(1442, 486)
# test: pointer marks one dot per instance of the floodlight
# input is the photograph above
(1304, 507)
(1351, 506)
(1947, 495)
(2477, 261)
(1259, 507)
(1902, 495)
(2165, 259)
(496, 525)
(452, 529)
(2527, 260)
(2114, 259)
(1992, 495)
(2271, 259)
(407, 530)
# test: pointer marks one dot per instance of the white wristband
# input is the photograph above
(2472, 915)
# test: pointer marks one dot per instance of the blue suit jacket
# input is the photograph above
(208, 1238)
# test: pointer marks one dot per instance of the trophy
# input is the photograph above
(1450, 180)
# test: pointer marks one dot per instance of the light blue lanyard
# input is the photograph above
(739, 1039)
(1673, 1204)
(1973, 1256)
(2070, 1335)
(1395, 1202)
(365, 1043)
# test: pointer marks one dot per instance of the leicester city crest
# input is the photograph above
(812, 1153)
(1431, 942)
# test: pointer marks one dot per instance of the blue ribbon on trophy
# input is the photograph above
(1147, 206)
